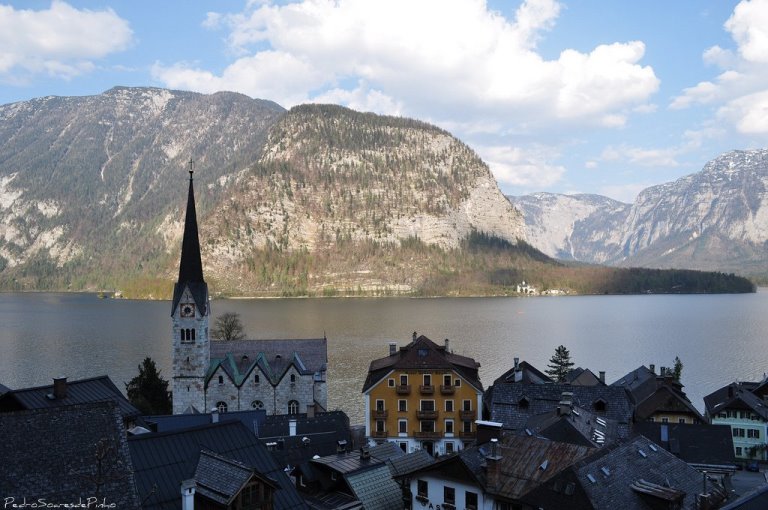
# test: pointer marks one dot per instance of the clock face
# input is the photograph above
(187, 310)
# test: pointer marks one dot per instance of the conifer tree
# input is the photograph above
(559, 364)
(148, 391)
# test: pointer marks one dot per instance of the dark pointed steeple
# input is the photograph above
(190, 265)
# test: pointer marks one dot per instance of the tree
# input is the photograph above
(559, 364)
(148, 391)
(228, 327)
(677, 369)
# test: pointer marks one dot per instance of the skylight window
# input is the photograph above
(606, 471)
(591, 478)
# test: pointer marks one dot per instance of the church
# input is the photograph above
(279, 376)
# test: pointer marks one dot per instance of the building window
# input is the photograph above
(447, 380)
(449, 426)
(449, 495)
(467, 426)
(449, 406)
(599, 405)
(753, 433)
(379, 425)
(221, 379)
(427, 425)
(257, 404)
(221, 406)
(402, 405)
(379, 405)
(293, 407)
(391, 383)
(665, 420)
(466, 405)
(403, 380)
(422, 488)
(457, 382)
(423, 353)
(738, 451)
(681, 420)
(470, 500)
(427, 380)
(256, 379)
(192, 331)
(402, 426)
(427, 405)
(293, 378)
(737, 432)
(449, 447)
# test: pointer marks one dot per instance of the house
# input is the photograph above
(219, 465)
(494, 475)
(703, 446)
(658, 397)
(279, 376)
(584, 377)
(743, 407)
(634, 475)
(513, 404)
(423, 396)
(352, 480)
(571, 424)
(66, 393)
(67, 453)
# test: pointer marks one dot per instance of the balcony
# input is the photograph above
(379, 414)
(426, 415)
(467, 414)
(447, 389)
(426, 435)
(403, 389)
(467, 435)
(378, 433)
(427, 390)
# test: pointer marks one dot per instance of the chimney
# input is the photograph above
(517, 364)
(392, 348)
(492, 464)
(447, 345)
(365, 454)
(215, 415)
(602, 376)
(652, 368)
(414, 336)
(310, 410)
(292, 427)
(188, 494)
(341, 446)
(59, 388)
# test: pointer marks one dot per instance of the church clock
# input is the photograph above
(187, 310)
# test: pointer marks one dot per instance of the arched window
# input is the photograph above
(257, 404)
(293, 377)
(256, 379)
(192, 335)
(221, 406)
(293, 407)
(221, 379)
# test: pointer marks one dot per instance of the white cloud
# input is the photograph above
(644, 157)
(741, 90)
(524, 167)
(626, 193)
(60, 41)
(432, 59)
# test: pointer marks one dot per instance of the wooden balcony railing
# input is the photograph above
(378, 433)
(426, 435)
(447, 389)
(379, 413)
(467, 434)
(426, 415)
(427, 390)
(403, 389)
(467, 414)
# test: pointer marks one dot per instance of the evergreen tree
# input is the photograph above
(559, 364)
(228, 327)
(148, 391)
(677, 369)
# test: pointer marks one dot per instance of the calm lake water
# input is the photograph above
(720, 338)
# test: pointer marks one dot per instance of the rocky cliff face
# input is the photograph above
(716, 219)
(92, 189)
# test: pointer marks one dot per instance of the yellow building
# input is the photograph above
(423, 396)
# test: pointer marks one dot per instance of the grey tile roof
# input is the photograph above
(617, 468)
(253, 419)
(736, 395)
(506, 403)
(640, 383)
(756, 499)
(376, 488)
(238, 358)
(694, 444)
(94, 389)
(52, 453)
(407, 463)
(4, 389)
(221, 479)
(579, 427)
(163, 460)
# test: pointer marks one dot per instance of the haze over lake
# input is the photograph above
(720, 338)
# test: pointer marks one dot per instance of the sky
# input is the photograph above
(576, 96)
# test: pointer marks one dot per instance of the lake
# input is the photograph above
(720, 338)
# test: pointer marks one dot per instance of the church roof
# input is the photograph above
(191, 265)
(238, 358)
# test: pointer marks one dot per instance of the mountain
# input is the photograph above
(716, 220)
(315, 199)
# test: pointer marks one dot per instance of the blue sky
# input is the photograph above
(579, 96)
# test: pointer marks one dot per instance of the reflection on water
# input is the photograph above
(718, 338)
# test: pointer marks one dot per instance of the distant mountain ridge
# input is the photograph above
(715, 220)
(92, 192)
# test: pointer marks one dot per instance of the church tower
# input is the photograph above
(190, 313)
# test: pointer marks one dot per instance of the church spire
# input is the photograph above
(190, 266)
